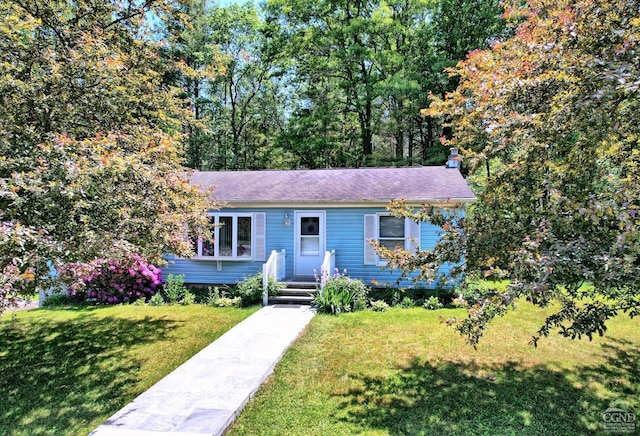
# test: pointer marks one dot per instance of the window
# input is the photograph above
(390, 232)
(310, 236)
(235, 237)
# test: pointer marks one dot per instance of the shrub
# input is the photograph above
(111, 281)
(395, 296)
(156, 300)
(359, 304)
(212, 295)
(250, 289)
(217, 298)
(329, 300)
(406, 303)
(140, 302)
(379, 306)
(57, 300)
(432, 303)
(200, 294)
(341, 294)
(471, 292)
(188, 298)
(391, 295)
(174, 289)
(227, 302)
(445, 294)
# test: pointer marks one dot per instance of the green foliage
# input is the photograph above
(156, 300)
(126, 91)
(379, 306)
(250, 289)
(226, 302)
(360, 303)
(218, 298)
(333, 301)
(361, 71)
(458, 28)
(411, 297)
(24, 262)
(236, 101)
(90, 139)
(387, 293)
(407, 302)
(174, 289)
(56, 300)
(341, 294)
(188, 298)
(549, 123)
(140, 302)
(432, 303)
(472, 291)
(392, 295)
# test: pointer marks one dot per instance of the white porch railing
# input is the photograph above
(328, 267)
(273, 267)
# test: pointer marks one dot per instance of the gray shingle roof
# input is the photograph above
(326, 186)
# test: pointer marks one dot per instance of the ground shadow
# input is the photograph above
(465, 398)
(57, 375)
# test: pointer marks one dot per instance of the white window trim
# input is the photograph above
(411, 237)
(234, 243)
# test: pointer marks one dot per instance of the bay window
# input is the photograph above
(233, 237)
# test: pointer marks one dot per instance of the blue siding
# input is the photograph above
(344, 234)
(278, 236)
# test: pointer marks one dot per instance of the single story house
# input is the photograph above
(301, 221)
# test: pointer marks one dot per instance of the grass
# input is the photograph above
(403, 372)
(65, 371)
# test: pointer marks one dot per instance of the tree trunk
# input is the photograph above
(366, 130)
(410, 144)
(399, 131)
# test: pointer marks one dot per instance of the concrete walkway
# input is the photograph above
(204, 395)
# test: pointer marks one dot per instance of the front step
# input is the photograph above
(295, 293)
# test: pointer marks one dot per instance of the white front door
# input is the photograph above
(310, 242)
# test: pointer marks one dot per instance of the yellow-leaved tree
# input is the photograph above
(91, 140)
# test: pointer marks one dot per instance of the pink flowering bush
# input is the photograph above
(111, 281)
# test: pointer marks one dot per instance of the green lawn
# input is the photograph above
(404, 372)
(63, 372)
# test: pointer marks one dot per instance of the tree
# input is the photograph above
(246, 102)
(457, 28)
(331, 46)
(229, 83)
(400, 87)
(91, 141)
(554, 112)
(363, 70)
(189, 45)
